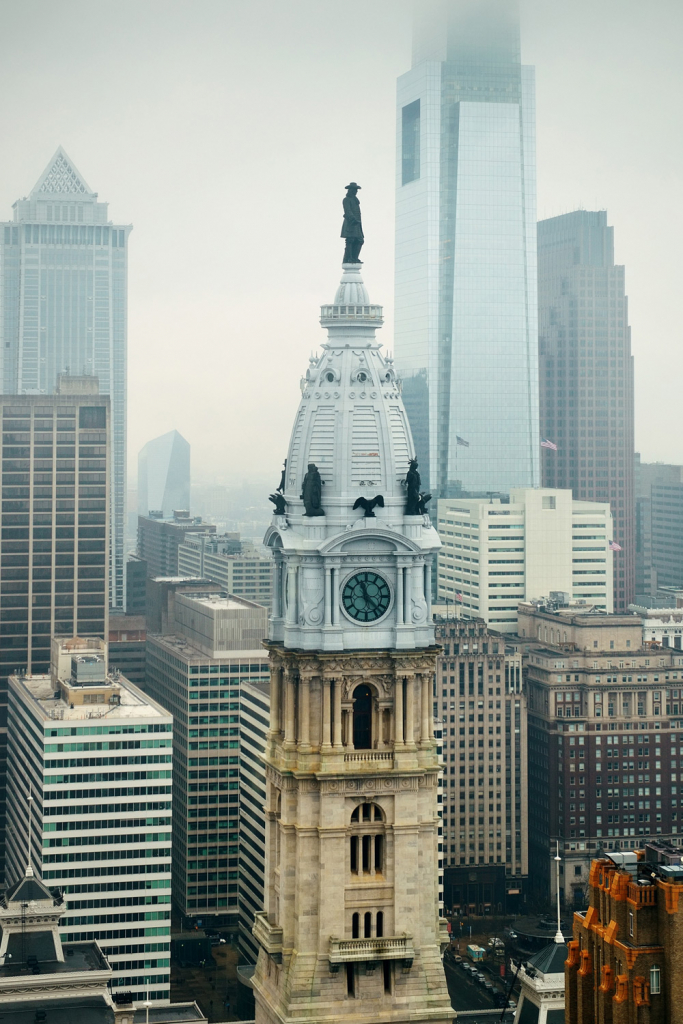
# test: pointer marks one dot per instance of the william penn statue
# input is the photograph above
(352, 228)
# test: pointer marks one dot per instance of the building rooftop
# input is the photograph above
(78, 957)
(133, 703)
(550, 960)
(176, 1012)
(222, 601)
(69, 1010)
(183, 648)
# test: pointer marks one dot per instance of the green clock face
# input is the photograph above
(366, 596)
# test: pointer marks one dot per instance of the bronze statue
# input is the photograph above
(312, 491)
(412, 485)
(368, 504)
(279, 501)
(281, 485)
(352, 228)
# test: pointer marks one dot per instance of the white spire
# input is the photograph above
(559, 937)
(62, 178)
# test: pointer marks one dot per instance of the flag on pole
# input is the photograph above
(545, 443)
(462, 441)
(614, 546)
(458, 597)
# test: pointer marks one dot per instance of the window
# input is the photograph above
(92, 417)
(367, 840)
(655, 980)
(549, 501)
(410, 142)
(362, 718)
(630, 923)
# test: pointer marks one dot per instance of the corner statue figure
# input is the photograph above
(352, 228)
(412, 485)
(312, 491)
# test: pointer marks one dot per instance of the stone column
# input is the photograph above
(328, 597)
(398, 712)
(410, 711)
(275, 607)
(289, 710)
(337, 715)
(399, 596)
(291, 595)
(407, 593)
(426, 717)
(326, 724)
(428, 587)
(275, 683)
(304, 713)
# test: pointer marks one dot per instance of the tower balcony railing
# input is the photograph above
(351, 312)
(369, 758)
(390, 947)
(268, 935)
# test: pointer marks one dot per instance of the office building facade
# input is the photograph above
(605, 725)
(54, 565)
(495, 554)
(659, 530)
(465, 319)
(196, 673)
(586, 375)
(64, 267)
(242, 572)
(482, 708)
(159, 539)
(97, 754)
(254, 721)
(164, 475)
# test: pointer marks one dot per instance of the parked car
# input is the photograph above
(480, 977)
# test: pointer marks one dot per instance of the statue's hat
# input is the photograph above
(352, 185)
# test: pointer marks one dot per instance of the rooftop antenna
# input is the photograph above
(29, 869)
(559, 937)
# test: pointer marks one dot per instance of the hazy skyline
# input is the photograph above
(225, 132)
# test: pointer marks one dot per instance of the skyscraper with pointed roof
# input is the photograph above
(63, 308)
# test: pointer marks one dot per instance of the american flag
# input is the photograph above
(462, 441)
(458, 597)
(614, 546)
(545, 443)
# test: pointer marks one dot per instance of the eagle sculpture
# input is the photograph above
(368, 504)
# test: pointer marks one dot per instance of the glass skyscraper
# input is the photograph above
(164, 475)
(466, 321)
(587, 375)
(64, 309)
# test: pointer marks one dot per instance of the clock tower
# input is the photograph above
(351, 924)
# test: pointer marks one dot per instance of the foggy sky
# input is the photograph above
(224, 131)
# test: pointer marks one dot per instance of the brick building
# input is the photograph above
(624, 960)
(605, 742)
(480, 704)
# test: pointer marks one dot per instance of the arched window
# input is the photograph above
(367, 925)
(355, 926)
(362, 718)
(379, 931)
(367, 848)
(655, 980)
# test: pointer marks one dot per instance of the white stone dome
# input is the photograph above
(351, 422)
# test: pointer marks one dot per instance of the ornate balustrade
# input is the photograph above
(390, 947)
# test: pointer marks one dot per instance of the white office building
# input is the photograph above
(497, 554)
(63, 309)
(235, 564)
(95, 754)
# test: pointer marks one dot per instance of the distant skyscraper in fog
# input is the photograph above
(63, 308)
(587, 376)
(466, 331)
(164, 475)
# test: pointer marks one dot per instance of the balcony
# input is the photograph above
(268, 935)
(371, 759)
(390, 947)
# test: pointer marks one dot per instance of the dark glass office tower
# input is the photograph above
(466, 305)
(63, 309)
(54, 565)
(586, 375)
